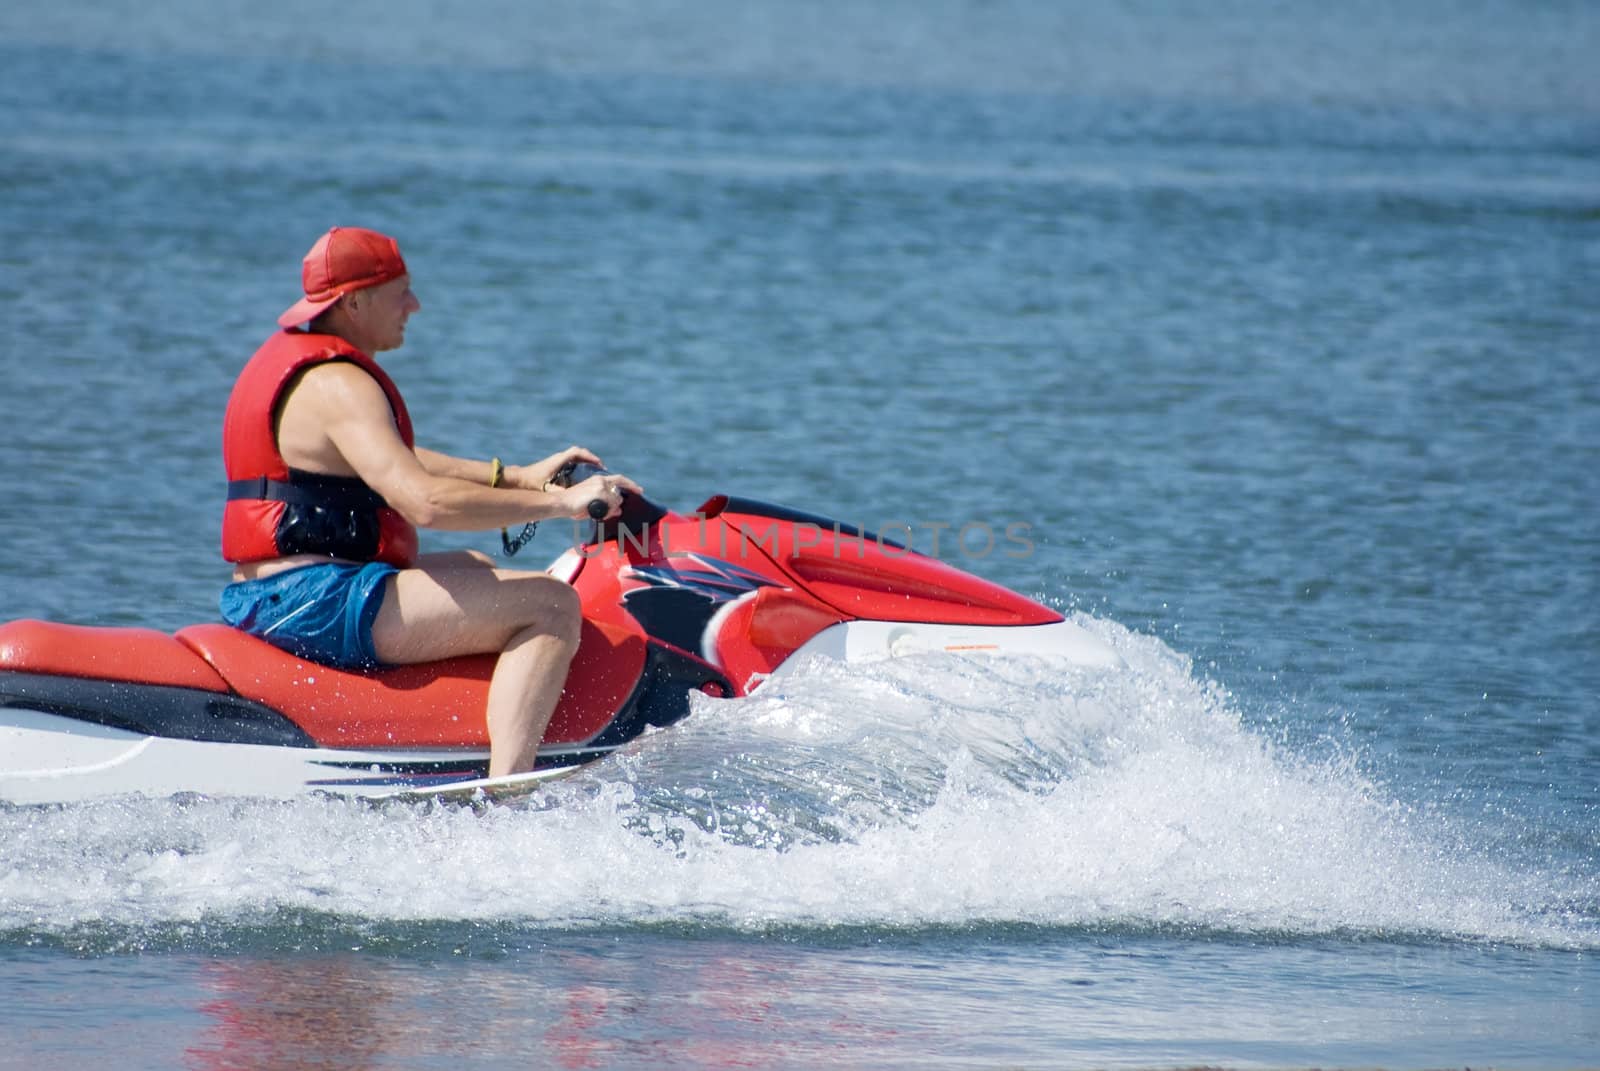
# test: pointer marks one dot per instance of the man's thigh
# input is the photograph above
(433, 612)
(454, 559)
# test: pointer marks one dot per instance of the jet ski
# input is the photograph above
(720, 602)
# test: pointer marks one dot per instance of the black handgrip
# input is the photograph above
(598, 509)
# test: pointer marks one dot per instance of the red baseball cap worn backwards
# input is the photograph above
(344, 259)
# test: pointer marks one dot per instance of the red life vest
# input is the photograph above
(273, 510)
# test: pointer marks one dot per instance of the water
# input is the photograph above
(1277, 325)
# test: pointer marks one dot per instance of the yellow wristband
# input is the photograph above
(497, 472)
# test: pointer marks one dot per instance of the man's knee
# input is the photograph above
(568, 615)
(554, 609)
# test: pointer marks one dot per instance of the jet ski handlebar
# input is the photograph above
(576, 473)
(636, 513)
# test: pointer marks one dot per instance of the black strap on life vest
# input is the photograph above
(309, 489)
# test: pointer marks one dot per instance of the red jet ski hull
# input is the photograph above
(714, 602)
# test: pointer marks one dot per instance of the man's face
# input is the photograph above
(381, 312)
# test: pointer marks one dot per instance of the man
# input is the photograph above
(327, 489)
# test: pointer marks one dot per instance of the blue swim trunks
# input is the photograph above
(322, 613)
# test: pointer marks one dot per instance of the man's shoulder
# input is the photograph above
(342, 381)
(343, 388)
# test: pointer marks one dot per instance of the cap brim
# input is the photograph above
(304, 311)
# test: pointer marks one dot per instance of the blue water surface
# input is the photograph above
(1275, 323)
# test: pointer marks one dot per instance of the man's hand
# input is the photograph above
(608, 489)
(539, 476)
(535, 476)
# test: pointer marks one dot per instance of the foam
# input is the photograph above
(923, 792)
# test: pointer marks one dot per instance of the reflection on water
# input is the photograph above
(318, 1012)
(637, 1002)
(992, 998)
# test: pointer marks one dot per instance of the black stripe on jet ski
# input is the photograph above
(455, 769)
(398, 780)
(153, 709)
(754, 507)
(661, 694)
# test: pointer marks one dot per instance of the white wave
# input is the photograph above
(931, 791)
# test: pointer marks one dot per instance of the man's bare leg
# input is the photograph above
(463, 605)
(523, 694)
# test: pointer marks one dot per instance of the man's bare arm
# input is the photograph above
(456, 468)
(345, 407)
(531, 477)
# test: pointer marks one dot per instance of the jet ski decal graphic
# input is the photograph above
(676, 603)
(717, 580)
